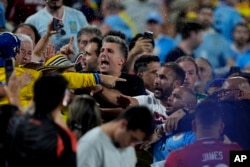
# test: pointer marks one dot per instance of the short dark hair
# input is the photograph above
(240, 25)
(116, 33)
(139, 118)
(33, 28)
(178, 71)
(208, 112)
(98, 42)
(49, 91)
(187, 26)
(89, 30)
(115, 39)
(142, 62)
(188, 58)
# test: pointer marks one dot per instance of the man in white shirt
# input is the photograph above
(111, 144)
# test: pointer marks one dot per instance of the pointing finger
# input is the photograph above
(71, 40)
(121, 79)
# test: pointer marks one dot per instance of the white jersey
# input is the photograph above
(96, 149)
(154, 105)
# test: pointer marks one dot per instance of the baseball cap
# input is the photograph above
(154, 16)
(9, 46)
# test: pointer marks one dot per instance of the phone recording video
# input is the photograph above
(148, 35)
(9, 68)
(57, 24)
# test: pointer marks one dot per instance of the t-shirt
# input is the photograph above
(214, 48)
(163, 45)
(73, 21)
(158, 110)
(243, 61)
(96, 149)
(207, 152)
(225, 19)
(170, 143)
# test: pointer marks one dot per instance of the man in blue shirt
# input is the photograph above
(72, 20)
(214, 46)
(181, 98)
(225, 18)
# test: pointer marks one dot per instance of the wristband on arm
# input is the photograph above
(97, 78)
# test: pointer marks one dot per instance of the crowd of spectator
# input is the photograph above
(121, 83)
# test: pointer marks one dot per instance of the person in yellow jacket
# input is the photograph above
(10, 45)
(76, 80)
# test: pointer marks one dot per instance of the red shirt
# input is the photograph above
(207, 152)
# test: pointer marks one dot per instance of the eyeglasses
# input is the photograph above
(224, 92)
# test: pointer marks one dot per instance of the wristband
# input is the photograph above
(97, 78)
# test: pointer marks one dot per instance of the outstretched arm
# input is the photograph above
(114, 97)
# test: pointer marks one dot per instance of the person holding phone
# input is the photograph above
(72, 20)
(163, 43)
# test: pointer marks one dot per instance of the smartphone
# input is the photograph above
(9, 68)
(148, 35)
(57, 24)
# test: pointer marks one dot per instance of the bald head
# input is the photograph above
(181, 98)
(235, 82)
(235, 88)
(189, 97)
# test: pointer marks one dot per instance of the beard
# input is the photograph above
(116, 144)
(53, 5)
(162, 94)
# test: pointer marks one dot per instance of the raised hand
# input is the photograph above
(171, 122)
(142, 45)
(50, 52)
(68, 49)
(15, 84)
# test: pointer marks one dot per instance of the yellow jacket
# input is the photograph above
(76, 80)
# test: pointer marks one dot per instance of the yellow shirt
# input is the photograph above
(76, 80)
